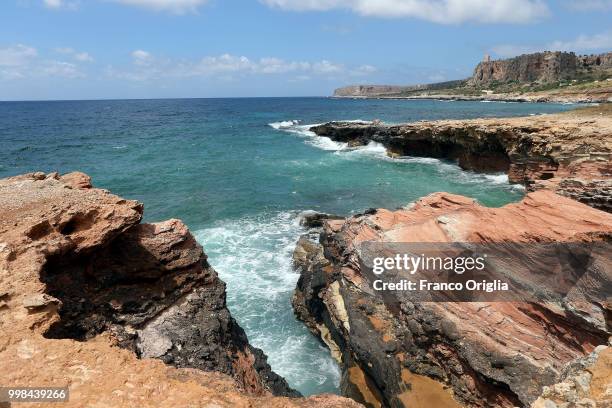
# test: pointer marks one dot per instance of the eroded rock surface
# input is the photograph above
(85, 290)
(398, 353)
(586, 382)
(569, 153)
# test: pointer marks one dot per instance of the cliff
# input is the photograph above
(568, 153)
(542, 67)
(396, 351)
(122, 313)
(540, 77)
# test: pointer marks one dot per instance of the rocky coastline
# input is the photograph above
(569, 153)
(395, 352)
(599, 94)
(121, 312)
(126, 313)
(398, 352)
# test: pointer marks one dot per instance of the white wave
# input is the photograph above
(326, 143)
(364, 122)
(424, 160)
(500, 178)
(321, 142)
(253, 255)
(374, 149)
(283, 124)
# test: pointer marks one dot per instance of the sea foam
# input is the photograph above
(377, 150)
(253, 255)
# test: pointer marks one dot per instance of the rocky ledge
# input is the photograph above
(395, 352)
(123, 313)
(569, 153)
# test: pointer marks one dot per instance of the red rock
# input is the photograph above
(487, 353)
(92, 278)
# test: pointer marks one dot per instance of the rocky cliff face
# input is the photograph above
(539, 77)
(80, 275)
(542, 67)
(396, 352)
(568, 153)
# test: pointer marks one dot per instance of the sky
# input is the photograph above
(107, 49)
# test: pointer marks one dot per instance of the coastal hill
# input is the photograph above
(542, 76)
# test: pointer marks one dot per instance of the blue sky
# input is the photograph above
(90, 49)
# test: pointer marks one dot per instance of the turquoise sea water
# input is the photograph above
(239, 172)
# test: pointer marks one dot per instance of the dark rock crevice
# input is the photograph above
(154, 291)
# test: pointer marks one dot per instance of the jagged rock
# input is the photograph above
(398, 352)
(92, 278)
(313, 219)
(569, 153)
(40, 300)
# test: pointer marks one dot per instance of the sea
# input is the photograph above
(239, 172)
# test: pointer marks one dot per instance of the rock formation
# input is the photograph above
(393, 90)
(568, 153)
(540, 77)
(395, 352)
(584, 383)
(542, 67)
(123, 313)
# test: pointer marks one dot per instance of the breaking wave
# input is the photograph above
(253, 255)
(377, 150)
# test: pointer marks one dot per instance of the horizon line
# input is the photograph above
(160, 98)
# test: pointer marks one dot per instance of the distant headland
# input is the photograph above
(550, 76)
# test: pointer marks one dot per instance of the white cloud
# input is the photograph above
(53, 3)
(141, 57)
(147, 66)
(83, 57)
(17, 55)
(327, 67)
(61, 69)
(583, 43)
(363, 70)
(225, 63)
(438, 11)
(61, 4)
(77, 55)
(279, 66)
(22, 61)
(601, 41)
(174, 6)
